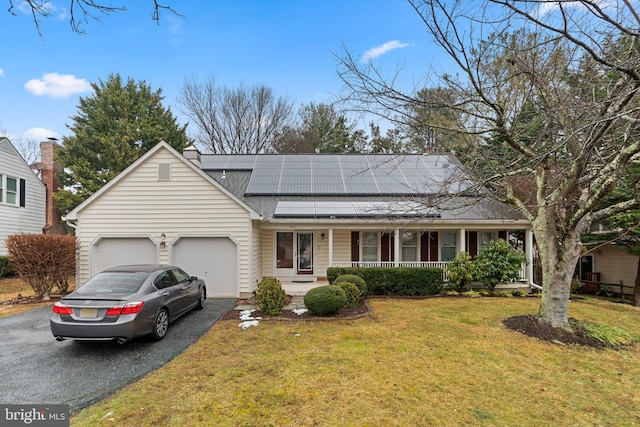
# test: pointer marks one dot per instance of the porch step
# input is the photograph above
(299, 289)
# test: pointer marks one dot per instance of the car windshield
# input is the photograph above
(114, 282)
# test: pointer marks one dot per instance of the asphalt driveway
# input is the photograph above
(36, 369)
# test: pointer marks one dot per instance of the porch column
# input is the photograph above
(529, 251)
(396, 247)
(330, 247)
(463, 241)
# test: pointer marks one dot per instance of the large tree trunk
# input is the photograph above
(558, 258)
(636, 291)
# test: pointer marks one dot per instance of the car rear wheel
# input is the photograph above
(201, 298)
(160, 325)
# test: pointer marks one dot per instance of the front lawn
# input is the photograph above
(11, 287)
(436, 361)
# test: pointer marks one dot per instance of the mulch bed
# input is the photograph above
(532, 327)
(527, 324)
(362, 309)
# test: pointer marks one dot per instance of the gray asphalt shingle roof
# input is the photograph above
(391, 179)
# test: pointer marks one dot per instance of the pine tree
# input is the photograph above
(114, 127)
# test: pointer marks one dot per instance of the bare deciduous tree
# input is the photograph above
(547, 95)
(235, 121)
(80, 11)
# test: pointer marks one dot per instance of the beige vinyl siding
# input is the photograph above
(268, 255)
(322, 252)
(256, 256)
(615, 265)
(342, 245)
(15, 219)
(187, 205)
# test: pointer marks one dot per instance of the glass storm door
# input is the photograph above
(284, 253)
(305, 253)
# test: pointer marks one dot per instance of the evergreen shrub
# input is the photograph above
(356, 280)
(325, 300)
(351, 291)
(270, 296)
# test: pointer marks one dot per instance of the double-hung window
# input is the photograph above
(8, 190)
(448, 245)
(370, 246)
(409, 246)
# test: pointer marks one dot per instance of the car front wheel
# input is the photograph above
(160, 325)
(201, 298)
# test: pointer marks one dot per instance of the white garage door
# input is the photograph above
(113, 251)
(212, 259)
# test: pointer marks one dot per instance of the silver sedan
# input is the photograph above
(126, 302)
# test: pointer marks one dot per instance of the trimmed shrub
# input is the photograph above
(5, 267)
(325, 300)
(356, 280)
(351, 291)
(270, 296)
(395, 281)
(499, 262)
(43, 260)
(519, 293)
(461, 271)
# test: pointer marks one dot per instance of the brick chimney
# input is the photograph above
(48, 168)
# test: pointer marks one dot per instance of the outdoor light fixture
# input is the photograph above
(163, 244)
(322, 236)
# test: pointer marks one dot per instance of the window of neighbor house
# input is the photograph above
(448, 245)
(370, 246)
(8, 190)
(409, 245)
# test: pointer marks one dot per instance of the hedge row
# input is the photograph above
(395, 281)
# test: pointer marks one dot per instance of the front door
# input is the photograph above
(295, 253)
(305, 253)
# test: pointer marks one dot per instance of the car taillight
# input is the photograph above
(129, 308)
(60, 308)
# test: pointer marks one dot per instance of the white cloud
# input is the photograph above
(57, 85)
(1, 72)
(382, 49)
(39, 134)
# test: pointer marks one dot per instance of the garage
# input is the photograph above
(112, 251)
(213, 259)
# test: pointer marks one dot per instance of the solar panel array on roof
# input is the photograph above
(349, 174)
(306, 209)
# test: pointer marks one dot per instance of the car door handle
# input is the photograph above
(165, 294)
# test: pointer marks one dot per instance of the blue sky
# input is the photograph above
(287, 45)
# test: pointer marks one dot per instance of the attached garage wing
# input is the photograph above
(213, 259)
(109, 252)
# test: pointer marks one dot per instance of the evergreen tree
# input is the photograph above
(114, 127)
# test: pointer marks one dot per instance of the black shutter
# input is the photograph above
(23, 192)
(355, 246)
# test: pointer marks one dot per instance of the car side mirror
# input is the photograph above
(194, 278)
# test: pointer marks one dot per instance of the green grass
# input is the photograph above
(438, 361)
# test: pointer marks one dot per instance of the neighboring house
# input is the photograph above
(610, 265)
(235, 219)
(22, 196)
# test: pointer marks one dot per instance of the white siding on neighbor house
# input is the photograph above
(615, 265)
(185, 205)
(15, 219)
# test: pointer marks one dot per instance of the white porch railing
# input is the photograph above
(444, 265)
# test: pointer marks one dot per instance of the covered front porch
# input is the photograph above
(299, 256)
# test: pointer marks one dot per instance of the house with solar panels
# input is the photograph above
(235, 219)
